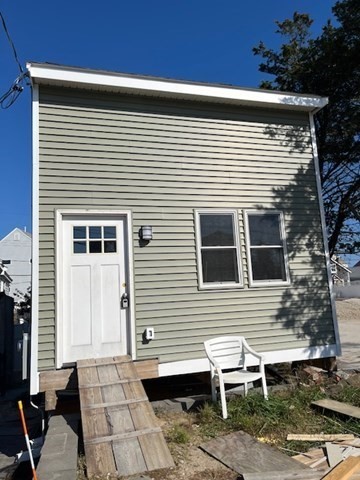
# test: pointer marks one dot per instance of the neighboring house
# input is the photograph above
(340, 271)
(166, 213)
(355, 274)
(5, 279)
(15, 251)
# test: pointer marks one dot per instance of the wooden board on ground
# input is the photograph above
(121, 434)
(255, 460)
(344, 470)
(338, 407)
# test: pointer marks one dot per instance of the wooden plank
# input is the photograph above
(320, 437)
(106, 362)
(289, 475)
(133, 432)
(338, 407)
(116, 403)
(122, 436)
(128, 455)
(50, 400)
(143, 417)
(147, 368)
(246, 455)
(104, 384)
(344, 470)
(99, 458)
(58, 379)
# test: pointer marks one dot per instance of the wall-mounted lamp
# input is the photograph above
(146, 233)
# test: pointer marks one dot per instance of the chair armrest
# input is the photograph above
(247, 347)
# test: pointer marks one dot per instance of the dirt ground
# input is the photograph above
(194, 464)
(348, 309)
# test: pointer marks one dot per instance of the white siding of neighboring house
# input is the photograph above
(16, 247)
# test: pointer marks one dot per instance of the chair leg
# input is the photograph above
(223, 400)
(264, 387)
(213, 390)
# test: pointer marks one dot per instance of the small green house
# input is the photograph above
(168, 212)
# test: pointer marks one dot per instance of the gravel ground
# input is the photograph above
(348, 312)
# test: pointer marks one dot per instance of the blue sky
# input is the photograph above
(193, 40)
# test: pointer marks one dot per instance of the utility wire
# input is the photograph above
(11, 43)
(11, 95)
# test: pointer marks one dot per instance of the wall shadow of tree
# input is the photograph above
(305, 306)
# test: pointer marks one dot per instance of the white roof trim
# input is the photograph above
(58, 75)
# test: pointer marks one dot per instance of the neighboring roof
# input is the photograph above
(357, 264)
(27, 234)
(355, 273)
(60, 75)
(341, 265)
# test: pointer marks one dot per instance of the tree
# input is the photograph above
(328, 65)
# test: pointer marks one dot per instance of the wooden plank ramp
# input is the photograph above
(120, 429)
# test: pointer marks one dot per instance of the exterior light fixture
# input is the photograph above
(145, 233)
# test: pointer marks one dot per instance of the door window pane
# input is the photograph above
(109, 232)
(94, 232)
(95, 247)
(79, 232)
(79, 247)
(109, 246)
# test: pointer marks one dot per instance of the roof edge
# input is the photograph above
(60, 75)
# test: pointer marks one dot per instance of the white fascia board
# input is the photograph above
(277, 356)
(117, 82)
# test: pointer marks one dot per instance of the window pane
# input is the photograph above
(109, 246)
(264, 229)
(79, 232)
(94, 232)
(109, 232)
(217, 230)
(95, 247)
(220, 266)
(79, 247)
(268, 264)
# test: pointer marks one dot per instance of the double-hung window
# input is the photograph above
(266, 248)
(218, 249)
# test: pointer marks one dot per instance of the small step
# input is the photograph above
(59, 453)
(338, 407)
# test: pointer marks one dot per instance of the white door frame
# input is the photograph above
(60, 214)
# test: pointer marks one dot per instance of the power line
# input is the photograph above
(11, 95)
(11, 43)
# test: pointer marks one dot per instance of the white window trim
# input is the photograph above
(217, 286)
(267, 283)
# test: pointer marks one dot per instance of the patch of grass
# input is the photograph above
(178, 434)
(348, 394)
(287, 411)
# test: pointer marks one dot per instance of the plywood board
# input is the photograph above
(246, 456)
(338, 407)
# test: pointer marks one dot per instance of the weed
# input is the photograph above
(178, 434)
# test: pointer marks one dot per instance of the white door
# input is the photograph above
(94, 283)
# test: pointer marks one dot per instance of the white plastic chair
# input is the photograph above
(229, 353)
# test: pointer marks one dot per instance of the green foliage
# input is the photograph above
(327, 65)
(288, 411)
(179, 434)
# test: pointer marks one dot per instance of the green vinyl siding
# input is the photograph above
(162, 160)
